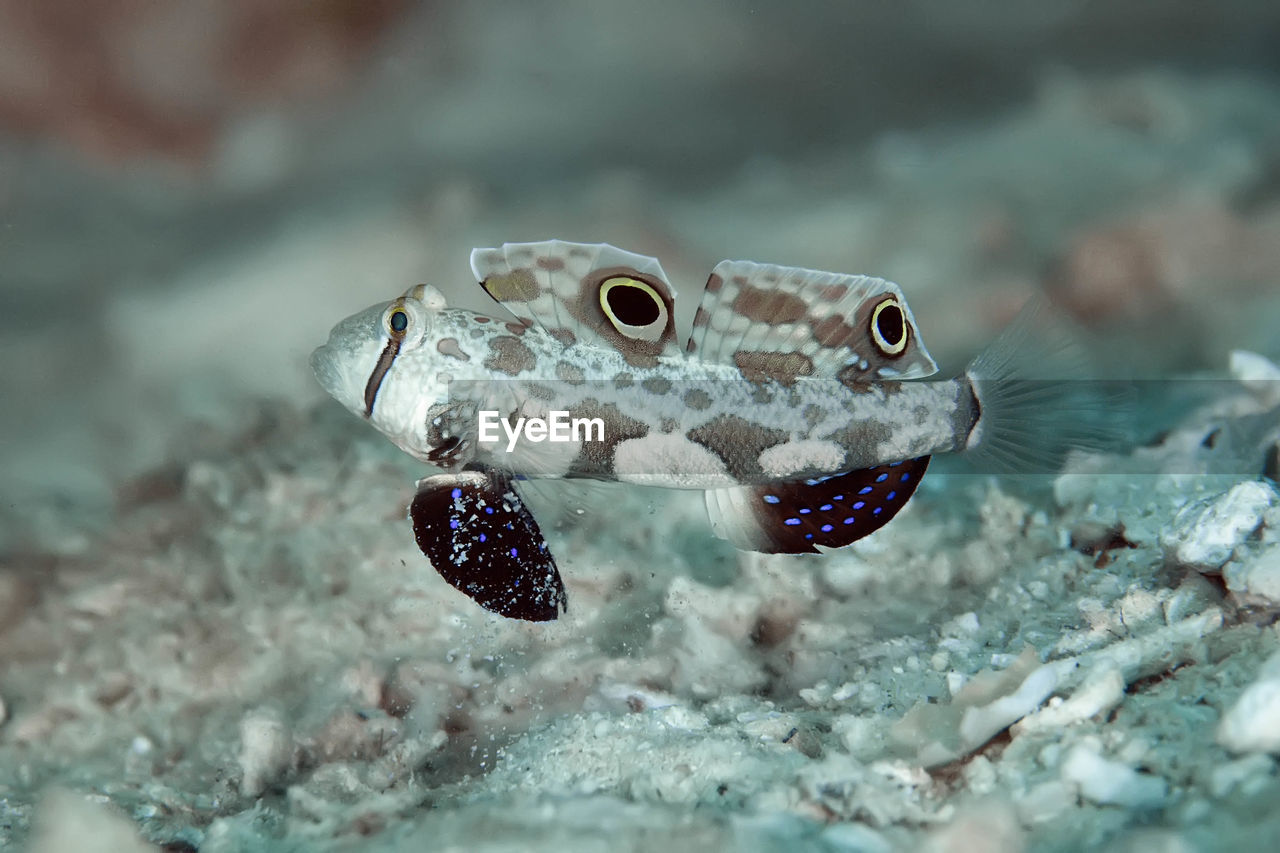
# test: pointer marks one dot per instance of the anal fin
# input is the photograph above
(797, 516)
(482, 539)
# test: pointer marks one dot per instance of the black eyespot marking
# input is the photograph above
(399, 320)
(633, 306)
(889, 324)
(889, 328)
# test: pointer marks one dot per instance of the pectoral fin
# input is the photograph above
(480, 537)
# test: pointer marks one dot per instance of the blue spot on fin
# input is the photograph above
(795, 517)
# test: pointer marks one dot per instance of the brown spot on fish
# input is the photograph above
(564, 336)
(696, 398)
(550, 264)
(540, 391)
(481, 318)
(639, 359)
(516, 286)
(701, 317)
(714, 283)
(595, 458)
(832, 331)
(517, 328)
(782, 367)
(856, 437)
(509, 355)
(769, 306)
(834, 292)
(569, 373)
(860, 382)
(478, 333)
(656, 385)
(669, 425)
(450, 348)
(854, 377)
(624, 380)
(738, 442)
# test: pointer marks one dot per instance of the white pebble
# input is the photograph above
(66, 821)
(1252, 724)
(1046, 801)
(264, 751)
(1111, 783)
(1255, 579)
(1242, 773)
(1204, 534)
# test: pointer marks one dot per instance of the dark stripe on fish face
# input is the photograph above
(389, 353)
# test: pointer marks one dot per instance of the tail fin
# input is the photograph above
(1037, 399)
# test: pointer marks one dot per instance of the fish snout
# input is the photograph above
(333, 373)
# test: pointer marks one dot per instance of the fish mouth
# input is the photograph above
(322, 366)
(327, 367)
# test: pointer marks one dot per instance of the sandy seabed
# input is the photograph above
(231, 642)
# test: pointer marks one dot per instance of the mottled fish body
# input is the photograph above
(796, 403)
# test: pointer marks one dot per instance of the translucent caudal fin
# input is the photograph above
(1039, 399)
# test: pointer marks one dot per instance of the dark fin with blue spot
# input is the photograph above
(480, 537)
(797, 516)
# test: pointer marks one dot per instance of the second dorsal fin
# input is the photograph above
(781, 322)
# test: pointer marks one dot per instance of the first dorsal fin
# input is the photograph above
(797, 516)
(780, 322)
(589, 293)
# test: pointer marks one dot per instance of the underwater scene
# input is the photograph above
(588, 426)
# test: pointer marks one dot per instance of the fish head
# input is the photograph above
(381, 364)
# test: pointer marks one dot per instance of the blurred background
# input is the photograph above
(191, 194)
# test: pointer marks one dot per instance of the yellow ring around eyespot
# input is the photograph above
(626, 281)
(883, 345)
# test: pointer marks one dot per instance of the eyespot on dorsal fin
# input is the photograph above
(590, 293)
(480, 537)
(807, 322)
(798, 516)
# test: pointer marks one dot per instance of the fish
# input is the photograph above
(800, 404)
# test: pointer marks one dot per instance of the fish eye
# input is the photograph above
(397, 321)
(889, 327)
